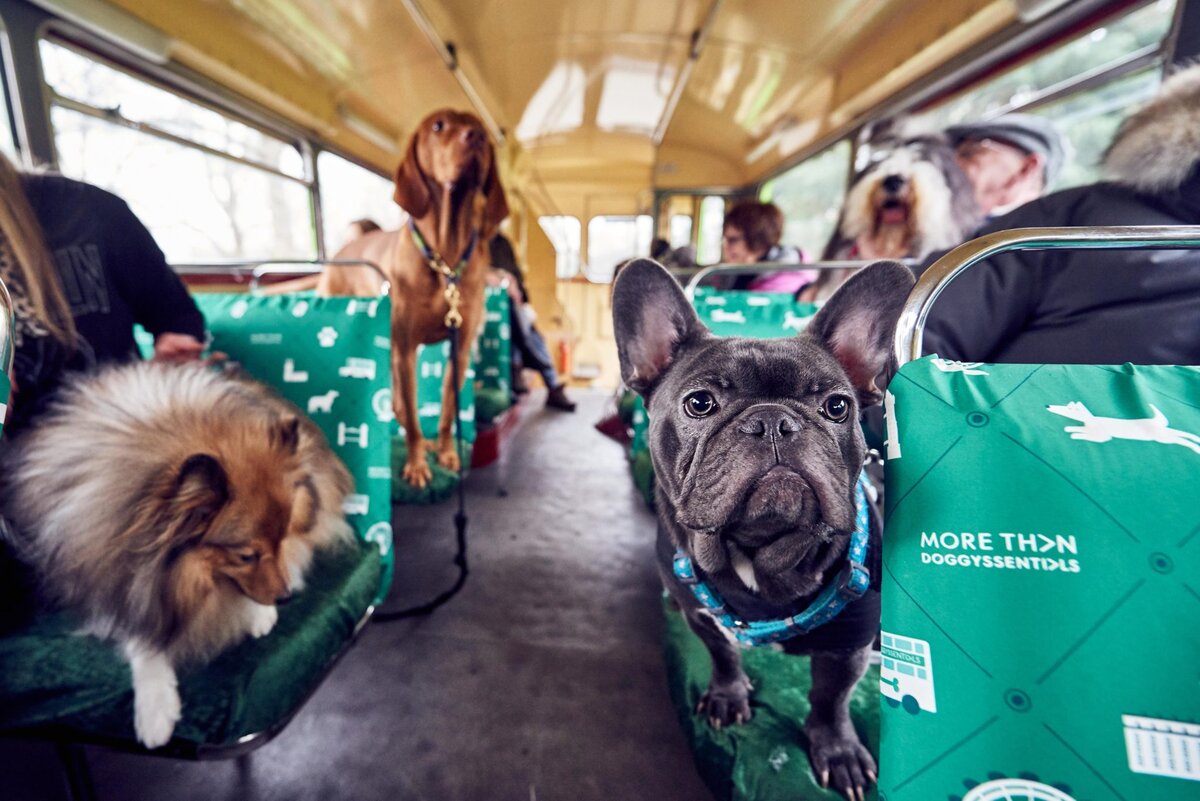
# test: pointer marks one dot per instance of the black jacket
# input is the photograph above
(1079, 306)
(113, 275)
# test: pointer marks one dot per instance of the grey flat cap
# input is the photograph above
(1022, 131)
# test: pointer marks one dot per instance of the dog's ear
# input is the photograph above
(858, 323)
(285, 433)
(495, 207)
(651, 318)
(199, 489)
(412, 194)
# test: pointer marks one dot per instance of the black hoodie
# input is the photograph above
(113, 275)
(1094, 306)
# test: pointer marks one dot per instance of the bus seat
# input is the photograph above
(1040, 599)
(1039, 634)
(56, 684)
(765, 759)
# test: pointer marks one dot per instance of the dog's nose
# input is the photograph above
(893, 183)
(284, 600)
(770, 424)
(472, 136)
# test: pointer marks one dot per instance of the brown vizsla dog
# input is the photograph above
(448, 185)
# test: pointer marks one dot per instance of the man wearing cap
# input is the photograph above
(1010, 160)
(1061, 306)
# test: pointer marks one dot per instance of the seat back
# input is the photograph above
(1040, 590)
(331, 358)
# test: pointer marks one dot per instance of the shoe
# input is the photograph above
(519, 387)
(557, 399)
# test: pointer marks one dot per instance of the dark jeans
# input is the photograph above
(528, 347)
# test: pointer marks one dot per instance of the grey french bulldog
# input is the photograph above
(757, 452)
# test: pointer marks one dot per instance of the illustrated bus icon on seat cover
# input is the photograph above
(906, 674)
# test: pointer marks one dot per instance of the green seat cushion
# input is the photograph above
(1041, 583)
(490, 403)
(765, 759)
(52, 676)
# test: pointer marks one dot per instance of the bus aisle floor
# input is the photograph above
(543, 679)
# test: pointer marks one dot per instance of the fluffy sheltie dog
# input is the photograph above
(910, 201)
(173, 507)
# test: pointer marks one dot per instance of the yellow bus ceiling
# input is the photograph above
(580, 87)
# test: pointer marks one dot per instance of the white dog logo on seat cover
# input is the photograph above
(790, 320)
(322, 403)
(1103, 429)
(966, 368)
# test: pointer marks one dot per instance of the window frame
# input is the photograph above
(181, 82)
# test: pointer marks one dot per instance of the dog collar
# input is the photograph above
(435, 260)
(452, 275)
(850, 585)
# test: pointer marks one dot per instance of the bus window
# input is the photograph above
(712, 220)
(681, 230)
(350, 192)
(612, 240)
(1089, 119)
(234, 191)
(565, 233)
(810, 196)
(1043, 85)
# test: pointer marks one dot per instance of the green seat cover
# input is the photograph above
(1041, 588)
(329, 356)
(763, 315)
(80, 685)
(493, 358)
(765, 759)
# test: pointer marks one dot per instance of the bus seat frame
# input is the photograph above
(772, 267)
(910, 330)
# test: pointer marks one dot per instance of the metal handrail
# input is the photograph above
(773, 267)
(257, 268)
(7, 327)
(910, 330)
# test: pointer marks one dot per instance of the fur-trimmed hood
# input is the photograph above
(1157, 149)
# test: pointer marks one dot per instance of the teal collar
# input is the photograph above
(850, 585)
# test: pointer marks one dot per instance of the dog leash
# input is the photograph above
(453, 322)
(851, 583)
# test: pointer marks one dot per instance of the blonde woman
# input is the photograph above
(82, 269)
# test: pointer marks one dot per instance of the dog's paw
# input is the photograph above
(262, 619)
(156, 710)
(726, 704)
(417, 474)
(840, 761)
(448, 458)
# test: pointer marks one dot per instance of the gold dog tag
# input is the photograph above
(454, 299)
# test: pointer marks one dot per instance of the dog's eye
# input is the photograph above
(247, 557)
(438, 126)
(836, 408)
(700, 404)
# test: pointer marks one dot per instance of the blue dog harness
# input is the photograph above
(852, 582)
